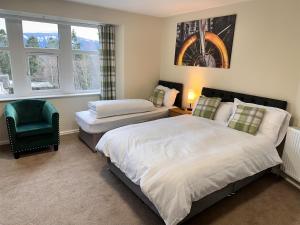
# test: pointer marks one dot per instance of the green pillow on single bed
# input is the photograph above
(157, 97)
(246, 119)
(207, 107)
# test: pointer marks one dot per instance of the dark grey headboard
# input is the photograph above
(178, 87)
(228, 96)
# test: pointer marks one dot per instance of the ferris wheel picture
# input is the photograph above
(205, 42)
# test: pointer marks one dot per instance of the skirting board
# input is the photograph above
(290, 180)
(65, 132)
(61, 133)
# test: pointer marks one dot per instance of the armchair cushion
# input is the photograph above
(32, 129)
(29, 111)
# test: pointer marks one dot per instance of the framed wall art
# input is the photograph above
(205, 42)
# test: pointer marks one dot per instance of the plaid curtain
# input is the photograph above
(107, 61)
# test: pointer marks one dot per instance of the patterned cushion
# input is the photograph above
(206, 107)
(157, 97)
(246, 119)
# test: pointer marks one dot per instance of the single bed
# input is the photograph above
(142, 157)
(91, 129)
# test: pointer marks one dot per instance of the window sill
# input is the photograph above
(13, 98)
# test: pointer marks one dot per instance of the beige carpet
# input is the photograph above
(74, 187)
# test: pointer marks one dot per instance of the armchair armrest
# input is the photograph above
(11, 115)
(50, 114)
(11, 118)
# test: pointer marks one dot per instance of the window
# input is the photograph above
(86, 69)
(43, 72)
(41, 44)
(3, 34)
(45, 57)
(6, 83)
(85, 38)
(40, 35)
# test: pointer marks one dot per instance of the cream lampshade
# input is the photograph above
(191, 97)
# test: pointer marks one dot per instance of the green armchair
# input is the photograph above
(31, 125)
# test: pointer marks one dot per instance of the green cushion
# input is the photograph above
(157, 97)
(207, 107)
(246, 119)
(26, 130)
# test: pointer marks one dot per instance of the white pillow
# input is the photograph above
(170, 95)
(283, 129)
(224, 111)
(274, 124)
(195, 104)
(107, 108)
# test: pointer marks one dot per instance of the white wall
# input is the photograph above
(138, 51)
(264, 61)
(265, 56)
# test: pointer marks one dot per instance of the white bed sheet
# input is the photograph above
(182, 159)
(90, 124)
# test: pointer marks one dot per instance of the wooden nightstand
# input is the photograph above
(178, 112)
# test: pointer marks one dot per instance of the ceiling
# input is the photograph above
(159, 8)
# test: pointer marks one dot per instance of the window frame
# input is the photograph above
(74, 52)
(38, 48)
(7, 49)
(19, 59)
(84, 52)
(34, 53)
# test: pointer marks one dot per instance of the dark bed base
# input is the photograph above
(209, 200)
(89, 139)
(197, 206)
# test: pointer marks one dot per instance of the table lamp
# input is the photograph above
(191, 97)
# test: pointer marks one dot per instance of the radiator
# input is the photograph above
(291, 154)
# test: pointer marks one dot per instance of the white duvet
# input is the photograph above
(181, 159)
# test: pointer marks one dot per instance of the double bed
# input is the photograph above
(179, 166)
